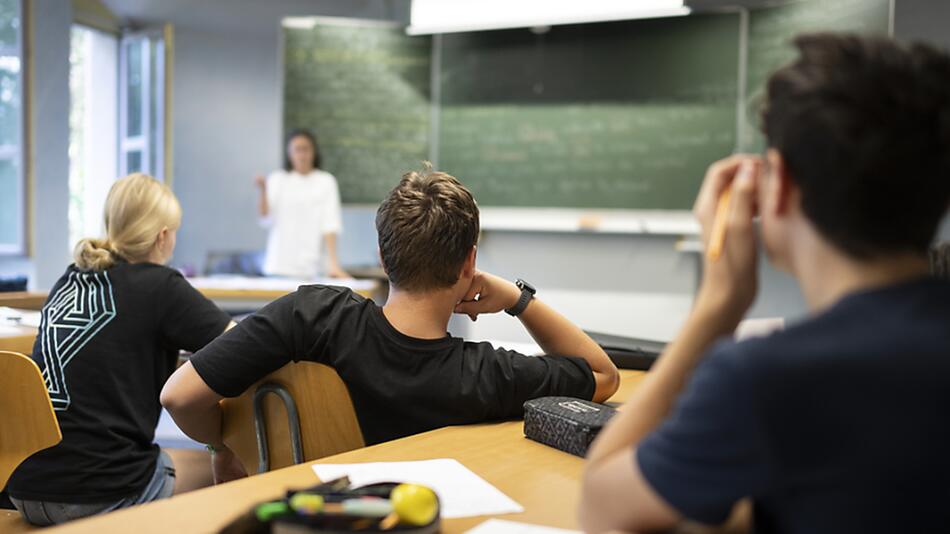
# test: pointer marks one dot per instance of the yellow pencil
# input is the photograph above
(718, 236)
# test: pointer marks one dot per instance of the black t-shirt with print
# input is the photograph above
(107, 343)
(399, 385)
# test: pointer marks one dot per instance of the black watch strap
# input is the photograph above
(527, 293)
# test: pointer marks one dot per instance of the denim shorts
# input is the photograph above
(43, 513)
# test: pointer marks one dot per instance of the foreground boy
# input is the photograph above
(839, 423)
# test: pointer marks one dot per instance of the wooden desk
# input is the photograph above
(25, 300)
(229, 293)
(17, 338)
(545, 481)
(232, 293)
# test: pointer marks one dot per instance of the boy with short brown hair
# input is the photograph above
(405, 374)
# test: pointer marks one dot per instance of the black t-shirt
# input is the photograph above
(836, 425)
(107, 343)
(399, 385)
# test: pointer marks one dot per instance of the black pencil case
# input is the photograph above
(565, 423)
(337, 490)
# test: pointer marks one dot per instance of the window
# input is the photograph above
(116, 117)
(12, 182)
(93, 71)
(141, 104)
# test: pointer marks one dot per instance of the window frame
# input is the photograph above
(152, 133)
(18, 152)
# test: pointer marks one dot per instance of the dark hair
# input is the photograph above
(301, 132)
(863, 124)
(427, 226)
(940, 260)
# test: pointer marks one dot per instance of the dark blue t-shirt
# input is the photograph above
(838, 424)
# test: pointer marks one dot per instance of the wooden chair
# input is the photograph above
(301, 412)
(27, 423)
(26, 413)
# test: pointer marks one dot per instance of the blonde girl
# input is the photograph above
(110, 334)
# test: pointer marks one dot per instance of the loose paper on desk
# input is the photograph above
(461, 492)
(20, 317)
(7, 330)
(500, 526)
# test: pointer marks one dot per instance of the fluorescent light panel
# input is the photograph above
(449, 16)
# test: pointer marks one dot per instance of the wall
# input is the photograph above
(226, 129)
(925, 20)
(922, 20)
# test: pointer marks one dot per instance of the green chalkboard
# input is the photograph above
(364, 89)
(771, 31)
(611, 115)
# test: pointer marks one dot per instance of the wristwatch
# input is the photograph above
(527, 293)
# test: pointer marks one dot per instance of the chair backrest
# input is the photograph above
(327, 420)
(27, 421)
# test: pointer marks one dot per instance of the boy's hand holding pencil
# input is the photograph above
(725, 207)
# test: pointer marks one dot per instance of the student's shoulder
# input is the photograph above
(486, 348)
(780, 355)
(318, 297)
(488, 353)
(329, 291)
(148, 271)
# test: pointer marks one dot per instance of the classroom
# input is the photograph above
(500, 266)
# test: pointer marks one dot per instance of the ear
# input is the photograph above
(781, 191)
(162, 237)
(468, 268)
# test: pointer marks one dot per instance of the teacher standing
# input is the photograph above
(300, 206)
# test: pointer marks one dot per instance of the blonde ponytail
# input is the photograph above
(137, 209)
(93, 255)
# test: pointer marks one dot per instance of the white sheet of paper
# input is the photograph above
(461, 492)
(501, 526)
(9, 330)
(20, 317)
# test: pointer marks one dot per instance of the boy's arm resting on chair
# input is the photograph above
(255, 348)
(196, 410)
(552, 331)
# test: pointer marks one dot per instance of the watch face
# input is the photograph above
(525, 286)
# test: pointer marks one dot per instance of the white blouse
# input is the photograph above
(302, 209)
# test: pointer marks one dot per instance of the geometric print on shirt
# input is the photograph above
(71, 318)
